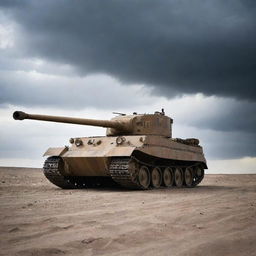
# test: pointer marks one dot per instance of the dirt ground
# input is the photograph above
(216, 218)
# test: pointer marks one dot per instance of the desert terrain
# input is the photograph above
(216, 218)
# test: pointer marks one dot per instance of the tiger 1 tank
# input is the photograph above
(138, 152)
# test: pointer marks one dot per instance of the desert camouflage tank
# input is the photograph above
(138, 152)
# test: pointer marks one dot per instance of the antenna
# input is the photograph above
(118, 113)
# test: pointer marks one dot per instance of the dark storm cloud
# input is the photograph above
(186, 46)
(228, 116)
(32, 89)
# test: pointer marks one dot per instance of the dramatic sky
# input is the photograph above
(196, 59)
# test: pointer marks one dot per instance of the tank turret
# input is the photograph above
(136, 124)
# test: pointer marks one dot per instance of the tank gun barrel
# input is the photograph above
(118, 125)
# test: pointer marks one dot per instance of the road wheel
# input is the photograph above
(188, 177)
(168, 177)
(156, 177)
(178, 177)
(144, 177)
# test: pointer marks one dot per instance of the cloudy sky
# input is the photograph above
(196, 59)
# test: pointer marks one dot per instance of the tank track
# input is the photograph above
(52, 171)
(121, 173)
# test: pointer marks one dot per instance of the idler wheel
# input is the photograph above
(199, 175)
(199, 172)
(156, 177)
(178, 177)
(144, 177)
(188, 177)
(168, 177)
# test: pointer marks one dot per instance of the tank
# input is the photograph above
(138, 152)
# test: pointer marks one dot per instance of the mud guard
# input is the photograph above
(55, 151)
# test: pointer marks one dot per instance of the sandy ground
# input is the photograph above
(216, 218)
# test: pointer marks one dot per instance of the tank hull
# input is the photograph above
(94, 154)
